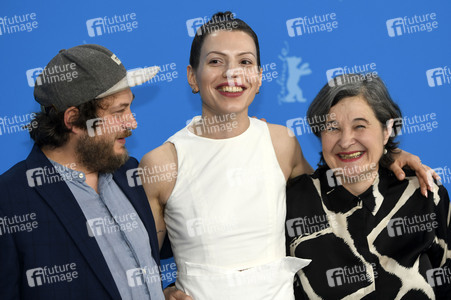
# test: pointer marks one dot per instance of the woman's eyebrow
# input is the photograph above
(221, 53)
(247, 52)
(216, 52)
(361, 119)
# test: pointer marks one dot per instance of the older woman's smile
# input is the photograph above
(350, 156)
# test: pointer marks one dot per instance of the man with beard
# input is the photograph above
(74, 221)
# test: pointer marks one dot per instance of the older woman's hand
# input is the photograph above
(423, 172)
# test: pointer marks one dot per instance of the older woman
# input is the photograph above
(369, 235)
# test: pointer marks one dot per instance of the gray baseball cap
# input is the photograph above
(83, 73)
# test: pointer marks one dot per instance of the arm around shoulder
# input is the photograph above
(288, 152)
(159, 167)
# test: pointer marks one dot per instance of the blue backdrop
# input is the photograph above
(303, 44)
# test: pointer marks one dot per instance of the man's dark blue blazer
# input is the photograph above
(60, 236)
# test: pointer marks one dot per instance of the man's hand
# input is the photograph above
(172, 293)
(423, 172)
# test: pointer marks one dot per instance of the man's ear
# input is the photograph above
(70, 115)
(191, 75)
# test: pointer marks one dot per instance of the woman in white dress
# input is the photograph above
(225, 210)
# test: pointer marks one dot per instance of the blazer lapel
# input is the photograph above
(60, 199)
(138, 199)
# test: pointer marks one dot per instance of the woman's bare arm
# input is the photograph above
(158, 184)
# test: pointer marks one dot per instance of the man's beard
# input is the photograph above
(97, 154)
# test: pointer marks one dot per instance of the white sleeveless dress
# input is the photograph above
(225, 217)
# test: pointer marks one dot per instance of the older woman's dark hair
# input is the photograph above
(48, 128)
(220, 21)
(373, 90)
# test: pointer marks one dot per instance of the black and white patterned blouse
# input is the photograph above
(390, 242)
